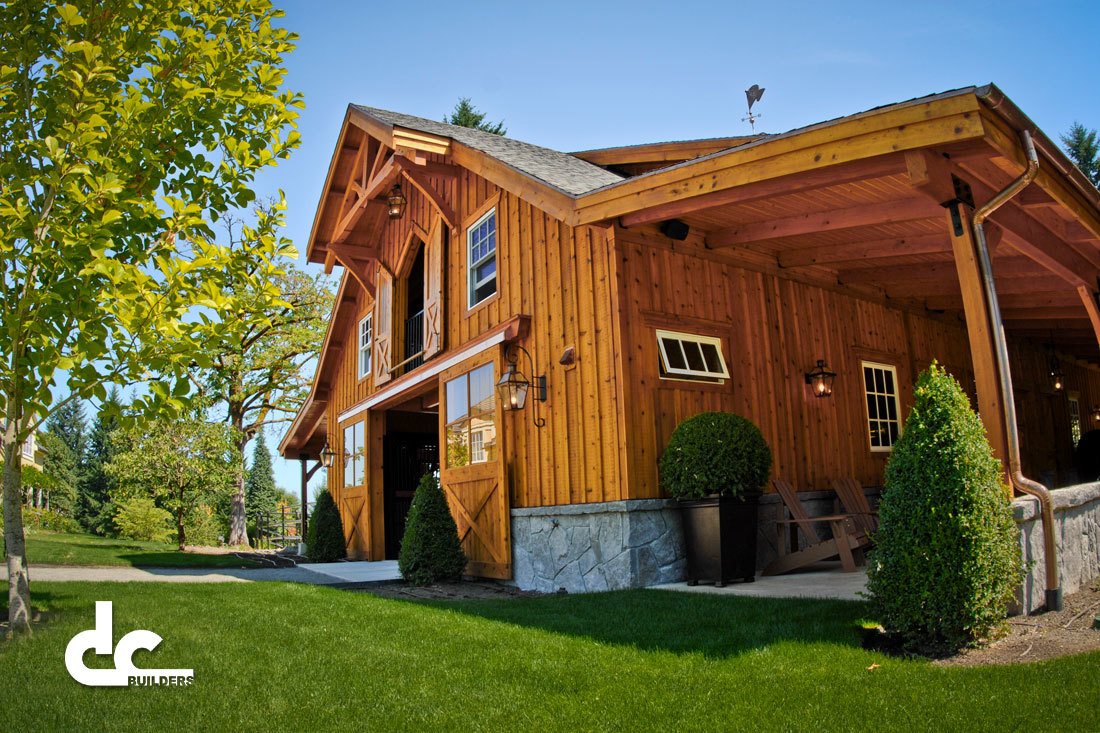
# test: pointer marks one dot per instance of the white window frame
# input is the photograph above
(863, 366)
(471, 265)
(671, 372)
(365, 347)
(28, 448)
(477, 447)
(1076, 428)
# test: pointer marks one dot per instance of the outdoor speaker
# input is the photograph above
(675, 229)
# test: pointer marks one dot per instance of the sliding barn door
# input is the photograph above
(472, 465)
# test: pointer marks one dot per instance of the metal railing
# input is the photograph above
(414, 342)
(278, 529)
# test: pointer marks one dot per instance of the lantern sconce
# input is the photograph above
(513, 385)
(1057, 379)
(327, 456)
(821, 379)
(396, 202)
(1096, 413)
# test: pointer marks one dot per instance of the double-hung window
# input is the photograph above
(366, 337)
(1075, 420)
(880, 386)
(481, 250)
(690, 356)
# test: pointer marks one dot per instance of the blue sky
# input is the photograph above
(578, 75)
(573, 76)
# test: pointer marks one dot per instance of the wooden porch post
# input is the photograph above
(978, 324)
(305, 495)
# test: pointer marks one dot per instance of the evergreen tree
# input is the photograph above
(325, 541)
(69, 424)
(430, 549)
(261, 495)
(1083, 148)
(94, 508)
(59, 468)
(467, 115)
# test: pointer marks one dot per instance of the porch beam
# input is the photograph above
(887, 212)
(1013, 267)
(1088, 297)
(979, 327)
(420, 181)
(864, 252)
(822, 178)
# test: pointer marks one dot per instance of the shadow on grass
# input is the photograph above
(651, 620)
(176, 559)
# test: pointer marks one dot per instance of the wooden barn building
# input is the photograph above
(633, 287)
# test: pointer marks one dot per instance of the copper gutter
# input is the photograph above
(1019, 481)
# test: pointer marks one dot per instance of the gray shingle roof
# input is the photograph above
(562, 171)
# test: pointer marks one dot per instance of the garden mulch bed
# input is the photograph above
(1043, 636)
(470, 590)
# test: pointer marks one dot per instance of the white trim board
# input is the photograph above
(432, 371)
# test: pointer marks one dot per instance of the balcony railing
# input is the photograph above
(413, 355)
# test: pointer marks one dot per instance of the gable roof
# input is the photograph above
(562, 171)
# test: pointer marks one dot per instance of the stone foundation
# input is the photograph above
(596, 547)
(1077, 529)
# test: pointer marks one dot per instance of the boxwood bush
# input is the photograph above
(946, 562)
(325, 538)
(430, 549)
(715, 452)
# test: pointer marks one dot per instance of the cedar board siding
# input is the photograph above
(561, 277)
(773, 331)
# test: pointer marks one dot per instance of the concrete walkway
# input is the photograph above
(343, 573)
(823, 581)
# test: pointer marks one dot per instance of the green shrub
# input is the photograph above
(946, 562)
(139, 518)
(715, 452)
(202, 527)
(430, 549)
(49, 520)
(325, 542)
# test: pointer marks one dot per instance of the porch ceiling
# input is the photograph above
(885, 234)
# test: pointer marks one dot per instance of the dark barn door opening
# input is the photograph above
(409, 453)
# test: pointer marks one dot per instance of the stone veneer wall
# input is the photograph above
(597, 547)
(1077, 528)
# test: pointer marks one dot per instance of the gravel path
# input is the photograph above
(123, 574)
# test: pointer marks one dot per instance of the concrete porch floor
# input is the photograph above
(359, 571)
(823, 580)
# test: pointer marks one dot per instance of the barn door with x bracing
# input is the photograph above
(472, 471)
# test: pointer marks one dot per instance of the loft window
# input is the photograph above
(471, 418)
(366, 336)
(481, 248)
(690, 356)
(880, 386)
(355, 457)
(1075, 420)
(28, 448)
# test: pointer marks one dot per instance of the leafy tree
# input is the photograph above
(1083, 148)
(430, 549)
(465, 114)
(181, 464)
(261, 339)
(946, 562)
(325, 541)
(259, 487)
(126, 129)
(94, 508)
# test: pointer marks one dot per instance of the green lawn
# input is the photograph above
(302, 658)
(56, 548)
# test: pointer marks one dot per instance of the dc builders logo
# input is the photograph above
(124, 673)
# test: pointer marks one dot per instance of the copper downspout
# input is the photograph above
(1021, 482)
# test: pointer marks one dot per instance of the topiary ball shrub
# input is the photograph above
(430, 549)
(715, 453)
(946, 561)
(325, 539)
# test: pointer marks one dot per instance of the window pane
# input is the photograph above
(880, 383)
(485, 291)
(710, 354)
(694, 356)
(360, 453)
(674, 354)
(868, 379)
(893, 433)
(458, 444)
(875, 443)
(883, 410)
(889, 381)
(872, 407)
(893, 404)
(457, 406)
(484, 270)
(481, 389)
(349, 455)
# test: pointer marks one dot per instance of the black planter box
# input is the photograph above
(720, 537)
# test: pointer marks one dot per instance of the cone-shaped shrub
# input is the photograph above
(946, 561)
(430, 550)
(715, 453)
(325, 541)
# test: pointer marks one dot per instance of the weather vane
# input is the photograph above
(754, 94)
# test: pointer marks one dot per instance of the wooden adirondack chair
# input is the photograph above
(847, 541)
(854, 501)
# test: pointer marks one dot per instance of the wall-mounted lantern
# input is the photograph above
(327, 456)
(396, 202)
(1057, 379)
(1096, 413)
(821, 379)
(513, 386)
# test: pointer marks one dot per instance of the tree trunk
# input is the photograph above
(181, 536)
(238, 524)
(19, 579)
